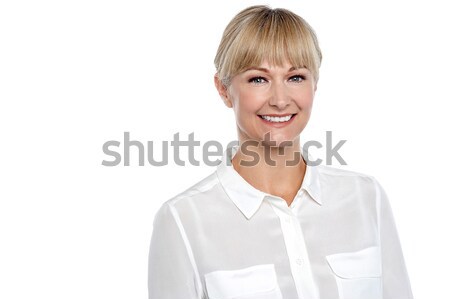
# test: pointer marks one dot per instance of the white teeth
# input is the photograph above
(277, 119)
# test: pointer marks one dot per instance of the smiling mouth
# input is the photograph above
(277, 119)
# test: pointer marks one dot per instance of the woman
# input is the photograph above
(267, 223)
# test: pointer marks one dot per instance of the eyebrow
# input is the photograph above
(267, 71)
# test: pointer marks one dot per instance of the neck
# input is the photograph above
(277, 171)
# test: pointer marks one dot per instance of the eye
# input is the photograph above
(257, 80)
(297, 78)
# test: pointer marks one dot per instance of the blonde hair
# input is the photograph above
(258, 33)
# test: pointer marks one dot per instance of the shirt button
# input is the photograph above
(299, 262)
(287, 220)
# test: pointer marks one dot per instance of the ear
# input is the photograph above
(223, 92)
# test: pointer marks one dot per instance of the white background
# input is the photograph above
(75, 74)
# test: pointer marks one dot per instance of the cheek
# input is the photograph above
(250, 102)
(305, 99)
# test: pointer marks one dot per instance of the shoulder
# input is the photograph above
(205, 186)
(336, 173)
(342, 178)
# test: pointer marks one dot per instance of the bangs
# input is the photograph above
(275, 36)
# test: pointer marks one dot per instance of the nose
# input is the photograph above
(279, 96)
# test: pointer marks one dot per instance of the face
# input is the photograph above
(270, 99)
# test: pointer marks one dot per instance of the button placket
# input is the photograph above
(296, 249)
(288, 220)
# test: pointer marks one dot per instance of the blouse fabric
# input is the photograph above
(222, 239)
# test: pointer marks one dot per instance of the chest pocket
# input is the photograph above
(256, 282)
(358, 274)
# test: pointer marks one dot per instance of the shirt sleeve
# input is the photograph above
(396, 284)
(171, 273)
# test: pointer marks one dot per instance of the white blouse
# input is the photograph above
(222, 238)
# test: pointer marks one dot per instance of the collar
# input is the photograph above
(246, 197)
